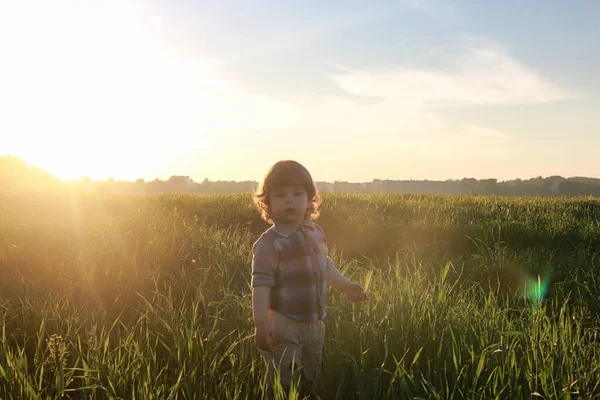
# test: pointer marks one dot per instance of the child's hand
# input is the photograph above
(354, 292)
(263, 337)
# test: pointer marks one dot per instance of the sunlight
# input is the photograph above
(92, 88)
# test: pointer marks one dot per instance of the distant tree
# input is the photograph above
(16, 174)
(487, 186)
(469, 185)
(181, 184)
(578, 188)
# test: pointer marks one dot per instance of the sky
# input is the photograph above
(354, 90)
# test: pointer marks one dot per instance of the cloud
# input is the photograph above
(408, 121)
(483, 73)
(411, 100)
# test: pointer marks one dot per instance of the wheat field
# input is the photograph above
(149, 297)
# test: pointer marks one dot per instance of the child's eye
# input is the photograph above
(298, 193)
(277, 194)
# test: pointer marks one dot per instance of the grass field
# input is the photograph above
(149, 297)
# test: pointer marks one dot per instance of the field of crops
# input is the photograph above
(149, 297)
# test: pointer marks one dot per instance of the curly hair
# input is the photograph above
(281, 174)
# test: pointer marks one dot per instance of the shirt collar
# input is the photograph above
(306, 223)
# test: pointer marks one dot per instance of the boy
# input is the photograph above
(290, 273)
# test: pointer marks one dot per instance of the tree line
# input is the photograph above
(16, 175)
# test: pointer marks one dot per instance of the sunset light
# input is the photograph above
(91, 88)
(299, 199)
(150, 89)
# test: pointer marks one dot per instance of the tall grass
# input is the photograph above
(149, 298)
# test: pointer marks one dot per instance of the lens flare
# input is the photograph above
(536, 288)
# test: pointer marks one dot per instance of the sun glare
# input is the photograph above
(93, 88)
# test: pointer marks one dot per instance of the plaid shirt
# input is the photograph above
(295, 267)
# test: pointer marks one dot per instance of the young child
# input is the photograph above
(290, 273)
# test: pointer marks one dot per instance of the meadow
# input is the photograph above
(149, 297)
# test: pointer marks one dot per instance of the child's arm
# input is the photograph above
(261, 297)
(352, 290)
(336, 279)
(264, 264)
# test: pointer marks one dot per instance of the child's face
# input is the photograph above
(289, 204)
